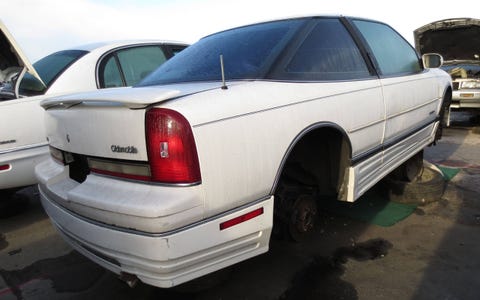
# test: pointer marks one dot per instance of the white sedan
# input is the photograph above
(183, 174)
(22, 86)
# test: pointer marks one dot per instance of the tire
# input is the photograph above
(428, 188)
(411, 169)
(444, 115)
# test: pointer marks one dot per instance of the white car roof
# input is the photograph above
(105, 46)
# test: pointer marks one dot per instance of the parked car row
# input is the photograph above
(458, 41)
(185, 173)
(23, 141)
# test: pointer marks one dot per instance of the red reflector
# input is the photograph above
(4, 167)
(241, 219)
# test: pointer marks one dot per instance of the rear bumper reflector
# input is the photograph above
(241, 219)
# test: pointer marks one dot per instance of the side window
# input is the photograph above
(328, 53)
(137, 63)
(112, 77)
(126, 67)
(393, 54)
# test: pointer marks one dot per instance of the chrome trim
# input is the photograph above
(24, 148)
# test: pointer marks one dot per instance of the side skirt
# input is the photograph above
(365, 174)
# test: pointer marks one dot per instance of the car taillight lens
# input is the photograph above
(172, 153)
(124, 169)
(60, 156)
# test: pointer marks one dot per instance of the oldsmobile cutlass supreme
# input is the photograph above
(183, 174)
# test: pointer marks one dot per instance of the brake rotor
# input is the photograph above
(303, 217)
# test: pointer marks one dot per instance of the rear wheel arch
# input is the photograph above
(317, 141)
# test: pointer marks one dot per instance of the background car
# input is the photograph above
(97, 66)
(185, 173)
(458, 41)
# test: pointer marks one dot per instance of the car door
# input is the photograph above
(410, 93)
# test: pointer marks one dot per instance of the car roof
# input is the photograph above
(107, 45)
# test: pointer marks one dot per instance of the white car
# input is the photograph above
(23, 86)
(457, 40)
(183, 174)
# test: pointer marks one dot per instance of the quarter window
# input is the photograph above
(112, 76)
(393, 54)
(328, 53)
(127, 67)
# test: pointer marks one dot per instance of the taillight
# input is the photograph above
(61, 156)
(124, 169)
(172, 153)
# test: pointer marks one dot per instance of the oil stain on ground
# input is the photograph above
(321, 278)
(67, 273)
(13, 205)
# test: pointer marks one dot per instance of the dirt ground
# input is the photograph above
(432, 254)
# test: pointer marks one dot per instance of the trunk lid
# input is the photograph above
(109, 123)
(13, 62)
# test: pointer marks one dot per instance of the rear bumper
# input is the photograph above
(167, 259)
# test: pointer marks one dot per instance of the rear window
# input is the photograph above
(48, 68)
(248, 52)
(127, 67)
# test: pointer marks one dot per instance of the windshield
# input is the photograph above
(247, 53)
(48, 68)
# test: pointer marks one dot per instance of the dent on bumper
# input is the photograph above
(167, 259)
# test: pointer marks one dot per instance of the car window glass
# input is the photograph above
(328, 52)
(137, 63)
(247, 53)
(112, 76)
(393, 54)
(48, 68)
(176, 50)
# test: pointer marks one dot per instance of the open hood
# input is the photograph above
(454, 39)
(13, 63)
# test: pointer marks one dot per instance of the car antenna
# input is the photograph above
(224, 85)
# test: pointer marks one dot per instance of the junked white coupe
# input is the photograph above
(23, 86)
(183, 174)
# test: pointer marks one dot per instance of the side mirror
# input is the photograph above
(432, 60)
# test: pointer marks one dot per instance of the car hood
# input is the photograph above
(12, 57)
(455, 39)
